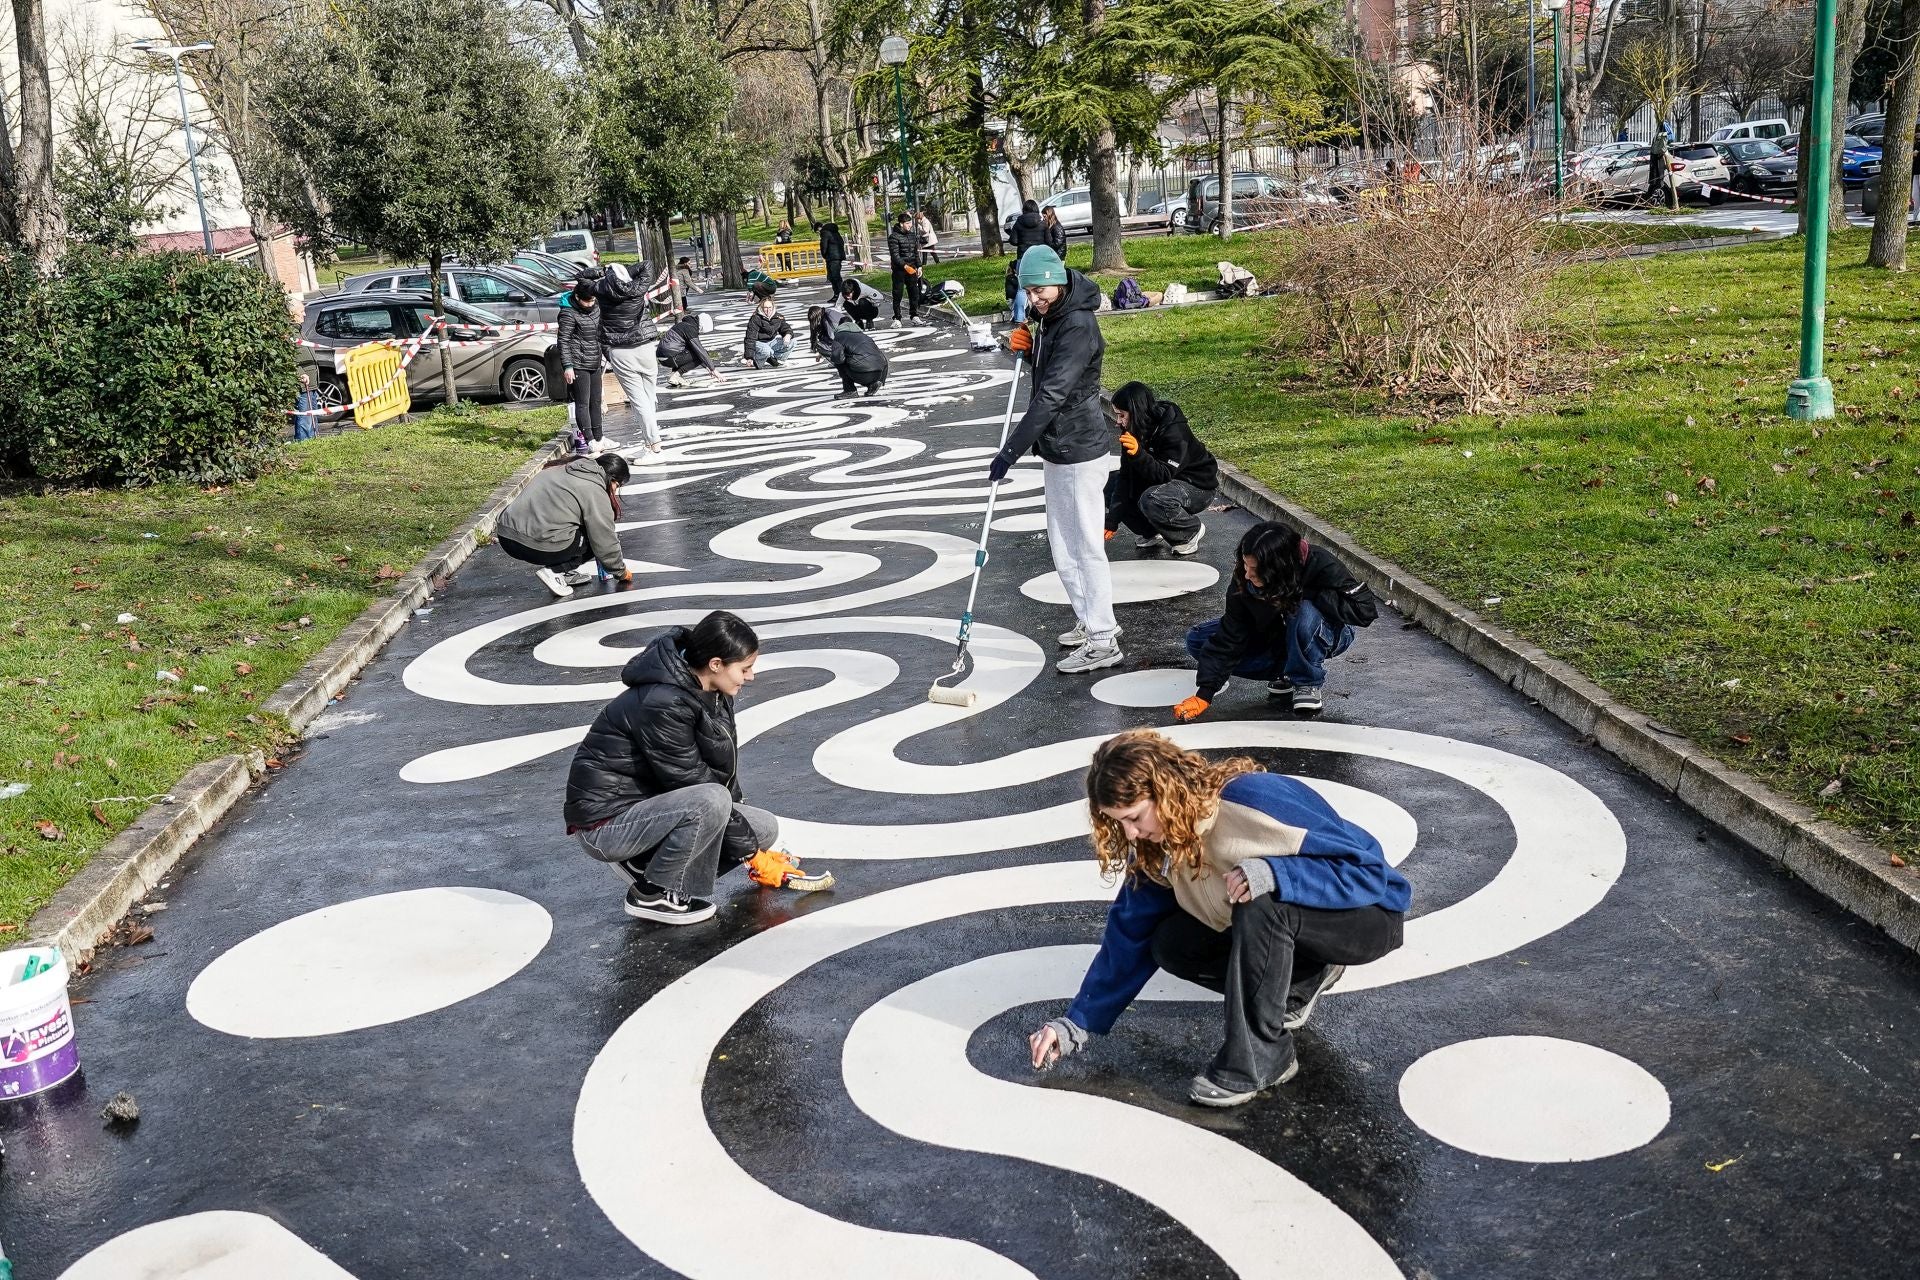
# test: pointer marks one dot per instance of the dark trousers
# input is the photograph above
(576, 554)
(833, 276)
(910, 283)
(1268, 958)
(584, 392)
(864, 313)
(1171, 510)
(868, 379)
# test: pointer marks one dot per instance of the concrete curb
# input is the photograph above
(1855, 873)
(88, 906)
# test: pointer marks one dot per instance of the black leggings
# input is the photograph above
(584, 392)
(573, 555)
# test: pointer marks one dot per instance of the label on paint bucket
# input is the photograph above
(37, 1050)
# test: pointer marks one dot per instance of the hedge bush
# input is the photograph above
(142, 367)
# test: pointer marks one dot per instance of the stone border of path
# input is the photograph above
(86, 909)
(1853, 872)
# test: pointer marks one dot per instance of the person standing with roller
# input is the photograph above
(1064, 424)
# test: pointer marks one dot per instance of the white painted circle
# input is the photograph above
(1534, 1099)
(1166, 687)
(1133, 581)
(369, 962)
(1025, 522)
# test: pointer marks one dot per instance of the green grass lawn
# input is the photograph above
(232, 589)
(1751, 581)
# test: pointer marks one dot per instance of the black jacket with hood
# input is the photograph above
(1056, 236)
(1168, 451)
(662, 734)
(764, 329)
(1028, 231)
(1252, 624)
(903, 247)
(833, 246)
(1064, 422)
(853, 350)
(580, 340)
(626, 319)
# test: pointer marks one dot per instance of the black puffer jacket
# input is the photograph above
(833, 246)
(627, 321)
(764, 329)
(1252, 624)
(664, 733)
(580, 337)
(1028, 231)
(1168, 451)
(903, 247)
(1064, 422)
(1056, 237)
(854, 351)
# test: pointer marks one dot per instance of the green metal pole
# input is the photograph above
(906, 165)
(1810, 398)
(1559, 120)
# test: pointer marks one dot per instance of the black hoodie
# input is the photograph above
(1255, 624)
(1063, 422)
(1028, 231)
(1168, 451)
(662, 734)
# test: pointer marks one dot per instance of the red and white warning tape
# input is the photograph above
(1747, 195)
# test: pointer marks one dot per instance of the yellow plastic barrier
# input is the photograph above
(793, 261)
(377, 384)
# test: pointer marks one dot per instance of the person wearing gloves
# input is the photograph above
(769, 336)
(1064, 424)
(581, 355)
(566, 513)
(903, 251)
(630, 337)
(654, 787)
(1244, 882)
(683, 352)
(1166, 477)
(1290, 607)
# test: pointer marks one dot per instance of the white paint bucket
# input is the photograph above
(37, 1050)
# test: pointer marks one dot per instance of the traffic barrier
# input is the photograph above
(377, 379)
(793, 261)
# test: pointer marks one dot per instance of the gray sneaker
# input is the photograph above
(584, 576)
(1280, 688)
(1148, 543)
(1192, 544)
(1090, 657)
(1306, 700)
(1297, 1018)
(1078, 636)
(1208, 1094)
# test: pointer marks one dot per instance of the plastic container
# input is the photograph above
(37, 1050)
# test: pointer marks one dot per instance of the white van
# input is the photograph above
(1747, 130)
(574, 246)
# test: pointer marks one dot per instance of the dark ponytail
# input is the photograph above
(615, 469)
(719, 635)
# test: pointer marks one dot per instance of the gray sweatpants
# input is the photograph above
(636, 368)
(1076, 534)
(677, 840)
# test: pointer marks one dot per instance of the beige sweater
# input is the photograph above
(1229, 838)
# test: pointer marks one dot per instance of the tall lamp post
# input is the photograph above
(1554, 9)
(893, 53)
(1810, 397)
(174, 52)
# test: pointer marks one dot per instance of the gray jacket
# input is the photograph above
(550, 513)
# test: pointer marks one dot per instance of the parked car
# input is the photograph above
(1621, 176)
(1074, 208)
(1859, 160)
(551, 264)
(1748, 130)
(1204, 193)
(1759, 166)
(1599, 157)
(1871, 127)
(574, 246)
(511, 366)
(1703, 164)
(506, 290)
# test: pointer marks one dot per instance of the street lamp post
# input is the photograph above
(174, 52)
(893, 53)
(1810, 397)
(1554, 9)
(1533, 112)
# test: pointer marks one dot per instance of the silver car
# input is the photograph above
(507, 291)
(509, 366)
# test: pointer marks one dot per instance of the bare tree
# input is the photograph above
(1586, 61)
(1889, 248)
(38, 225)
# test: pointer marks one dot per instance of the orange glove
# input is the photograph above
(1109, 535)
(912, 270)
(1021, 339)
(1128, 443)
(1192, 709)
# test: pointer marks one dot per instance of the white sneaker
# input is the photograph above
(1078, 636)
(584, 576)
(1192, 544)
(1090, 657)
(553, 582)
(597, 448)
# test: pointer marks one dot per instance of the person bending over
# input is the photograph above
(769, 336)
(655, 788)
(682, 351)
(1290, 607)
(1244, 882)
(1166, 477)
(1064, 424)
(565, 518)
(842, 344)
(861, 302)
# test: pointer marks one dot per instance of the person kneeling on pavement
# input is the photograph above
(1166, 477)
(1290, 607)
(1244, 882)
(861, 301)
(654, 787)
(682, 351)
(769, 336)
(565, 518)
(842, 344)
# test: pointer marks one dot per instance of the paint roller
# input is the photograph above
(967, 697)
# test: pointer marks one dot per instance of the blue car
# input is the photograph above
(1859, 160)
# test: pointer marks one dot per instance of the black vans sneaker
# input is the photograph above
(666, 907)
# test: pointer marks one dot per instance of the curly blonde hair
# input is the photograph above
(1184, 785)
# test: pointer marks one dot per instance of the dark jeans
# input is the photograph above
(869, 381)
(1170, 510)
(574, 555)
(1270, 957)
(901, 280)
(584, 392)
(1301, 655)
(862, 312)
(833, 276)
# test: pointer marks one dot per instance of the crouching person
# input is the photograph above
(853, 352)
(1166, 476)
(1244, 882)
(654, 787)
(564, 519)
(1290, 607)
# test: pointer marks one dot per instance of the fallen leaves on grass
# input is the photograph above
(47, 829)
(1894, 859)
(1706, 484)
(1830, 790)
(386, 573)
(100, 817)
(243, 668)
(1744, 739)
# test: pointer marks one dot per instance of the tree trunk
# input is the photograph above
(1850, 32)
(1022, 175)
(1699, 58)
(1223, 162)
(1103, 179)
(38, 220)
(664, 228)
(261, 227)
(979, 167)
(732, 274)
(437, 282)
(569, 13)
(9, 228)
(1889, 248)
